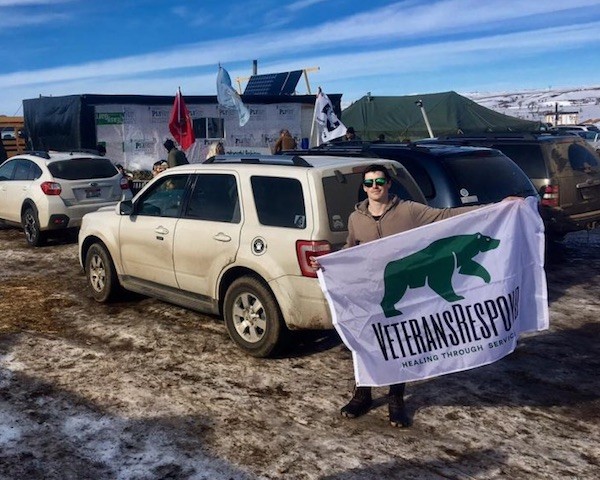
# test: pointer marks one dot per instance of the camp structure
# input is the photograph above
(133, 128)
(406, 117)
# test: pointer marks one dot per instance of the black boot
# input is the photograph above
(398, 415)
(359, 404)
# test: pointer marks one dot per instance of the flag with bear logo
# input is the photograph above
(441, 298)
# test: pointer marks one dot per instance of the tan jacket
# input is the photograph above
(399, 216)
(284, 142)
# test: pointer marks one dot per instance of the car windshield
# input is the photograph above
(487, 179)
(591, 135)
(82, 168)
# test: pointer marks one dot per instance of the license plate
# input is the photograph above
(590, 193)
(92, 192)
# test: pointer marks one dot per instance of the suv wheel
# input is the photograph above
(101, 273)
(253, 318)
(31, 226)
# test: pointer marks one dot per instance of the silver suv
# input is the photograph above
(49, 192)
(233, 237)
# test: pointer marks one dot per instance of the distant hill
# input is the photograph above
(583, 103)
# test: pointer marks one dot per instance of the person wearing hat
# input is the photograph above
(176, 156)
(350, 134)
(159, 167)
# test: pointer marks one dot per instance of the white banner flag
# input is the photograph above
(228, 98)
(442, 298)
(326, 122)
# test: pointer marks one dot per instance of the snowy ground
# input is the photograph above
(145, 390)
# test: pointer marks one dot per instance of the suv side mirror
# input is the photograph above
(125, 207)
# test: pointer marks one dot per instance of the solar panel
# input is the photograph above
(273, 83)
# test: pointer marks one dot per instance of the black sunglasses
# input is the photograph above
(381, 181)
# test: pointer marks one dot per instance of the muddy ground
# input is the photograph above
(145, 390)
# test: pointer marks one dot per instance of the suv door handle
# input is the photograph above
(161, 230)
(222, 237)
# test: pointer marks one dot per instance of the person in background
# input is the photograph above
(216, 148)
(101, 149)
(3, 154)
(350, 134)
(176, 156)
(127, 175)
(159, 167)
(284, 142)
(382, 214)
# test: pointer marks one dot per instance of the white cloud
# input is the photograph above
(22, 3)
(374, 36)
(302, 4)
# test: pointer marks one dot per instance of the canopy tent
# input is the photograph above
(400, 118)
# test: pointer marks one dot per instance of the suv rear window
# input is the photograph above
(82, 168)
(582, 159)
(529, 157)
(279, 201)
(487, 179)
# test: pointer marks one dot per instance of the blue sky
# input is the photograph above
(64, 47)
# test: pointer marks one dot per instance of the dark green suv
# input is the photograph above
(564, 169)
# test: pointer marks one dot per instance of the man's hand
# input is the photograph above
(314, 263)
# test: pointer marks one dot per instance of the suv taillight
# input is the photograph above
(51, 188)
(550, 196)
(306, 249)
(124, 183)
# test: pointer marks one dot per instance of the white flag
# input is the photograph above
(442, 298)
(228, 98)
(325, 121)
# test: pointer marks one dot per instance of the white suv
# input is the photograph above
(49, 192)
(233, 236)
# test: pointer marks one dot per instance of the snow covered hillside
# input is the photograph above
(577, 105)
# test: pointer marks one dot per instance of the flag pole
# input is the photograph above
(179, 111)
(312, 127)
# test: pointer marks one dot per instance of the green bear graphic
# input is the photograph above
(435, 265)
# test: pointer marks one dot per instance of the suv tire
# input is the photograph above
(253, 318)
(31, 226)
(101, 273)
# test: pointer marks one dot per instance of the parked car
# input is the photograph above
(47, 193)
(448, 176)
(564, 169)
(592, 137)
(578, 127)
(233, 236)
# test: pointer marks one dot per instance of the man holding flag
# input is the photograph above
(381, 215)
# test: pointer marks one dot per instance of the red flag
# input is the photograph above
(180, 123)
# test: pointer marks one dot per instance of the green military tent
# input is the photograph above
(448, 113)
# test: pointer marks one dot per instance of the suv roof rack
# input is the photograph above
(503, 135)
(292, 161)
(37, 153)
(92, 151)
